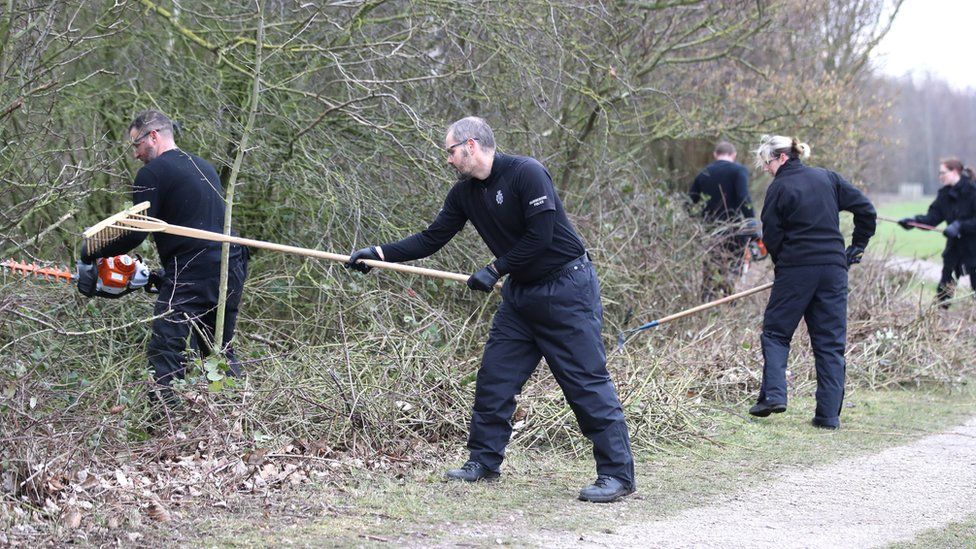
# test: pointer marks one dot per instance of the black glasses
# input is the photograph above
(135, 142)
(450, 148)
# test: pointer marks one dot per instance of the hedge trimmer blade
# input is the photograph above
(53, 274)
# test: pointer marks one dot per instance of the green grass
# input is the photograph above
(958, 534)
(913, 243)
(537, 490)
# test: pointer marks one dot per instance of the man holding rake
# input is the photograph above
(550, 305)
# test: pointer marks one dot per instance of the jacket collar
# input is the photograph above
(962, 187)
(498, 165)
(791, 165)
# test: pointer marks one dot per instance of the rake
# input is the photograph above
(132, 219)
(627, 334)
(915, 224)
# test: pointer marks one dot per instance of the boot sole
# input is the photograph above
(480, 479)
(606, 499)
(768, 411)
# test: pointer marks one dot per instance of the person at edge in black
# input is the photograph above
(727, 213)
(955, 204)
(182, 189)
(550, 305)
(801, 229)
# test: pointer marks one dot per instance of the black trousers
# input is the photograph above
(560, 319)
(952, 270)
(818, 294)
(189, 296)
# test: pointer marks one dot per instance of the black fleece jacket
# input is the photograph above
(182, 189)
(724, 186)
(801, 225)
(517, 213)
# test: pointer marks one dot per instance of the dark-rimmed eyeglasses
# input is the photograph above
(450, 148)
(137, 141)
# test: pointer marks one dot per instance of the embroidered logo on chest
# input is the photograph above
(499, 197)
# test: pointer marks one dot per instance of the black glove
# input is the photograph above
(854, 253)
(86, 257)
(485, 279)
(953, 230)
(904, 222)
(87, 278)
(365, 253)
(752, 229)
(155, 282)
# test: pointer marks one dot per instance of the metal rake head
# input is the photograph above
(112, 228)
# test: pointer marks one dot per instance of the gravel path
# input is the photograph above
(926, 270)
(864, 502)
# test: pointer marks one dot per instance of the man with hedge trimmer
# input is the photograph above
(723, 188)
(183, 189)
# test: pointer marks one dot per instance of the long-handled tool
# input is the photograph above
(112, 228)
(627, 334)
(915, 224)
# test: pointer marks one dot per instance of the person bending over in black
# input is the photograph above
(801, 228)
(550, 304)
(955, 204)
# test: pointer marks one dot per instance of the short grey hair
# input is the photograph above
(473, 127)
(151, 120)
(774, 145)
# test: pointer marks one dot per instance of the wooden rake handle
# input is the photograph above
(149, 224)
(627, 334)
(715, 303)
(915, 224)
(702, 307)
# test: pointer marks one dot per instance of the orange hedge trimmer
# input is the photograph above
(108, 277)
(32, 269)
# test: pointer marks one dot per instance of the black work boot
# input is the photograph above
(821, 425)
(605, 490)
(763, 409)
(470, 472)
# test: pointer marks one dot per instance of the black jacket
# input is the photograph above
(956, 203)
(724, 186)
(182, 189)
(517, 213)
(801, 225)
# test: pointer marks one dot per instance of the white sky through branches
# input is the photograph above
(934, 36)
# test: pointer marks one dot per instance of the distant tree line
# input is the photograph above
(927, 120)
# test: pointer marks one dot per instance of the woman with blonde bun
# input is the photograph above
(801, 229)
